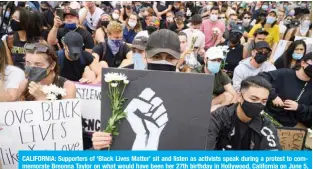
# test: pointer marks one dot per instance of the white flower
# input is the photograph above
(126, 81)
(114, 84)
(109, 77)
(51, 97)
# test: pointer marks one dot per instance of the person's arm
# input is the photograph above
(155, 9)
(230, 89)
(272, 77)
(237, 78)
(169, 8)
(254, 28)
(97, 52)
(70, 89)
(82, 15)
(95, 67)
(305, 112)
(89, 43)
(8, 56)
(99, 35)
(288, 34)
(216, 123)
(52, 36)
(9, 95)
(13, 82)
(245, 51)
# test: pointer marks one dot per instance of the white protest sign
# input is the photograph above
(90, 96)
(38, 125)
(308, 42)
(280, 49)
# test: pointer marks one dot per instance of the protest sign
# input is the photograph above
(38, 125)
(165, 110)
(90, 96)
(292, 138)
(308, 42)
(280, 49)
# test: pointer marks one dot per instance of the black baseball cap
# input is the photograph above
(237, 28)
(163, 40)
(260, 31)
(140, 42)
(180, 13)
(74, 41)
(69, 11)
(262, 44)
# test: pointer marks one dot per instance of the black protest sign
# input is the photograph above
(165, 110)
(292, 138)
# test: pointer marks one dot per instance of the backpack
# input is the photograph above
(61, 57)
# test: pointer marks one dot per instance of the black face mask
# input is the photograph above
(252, 109)
(35, 74)
(151, 29)
(15, 26)
(162, 67)
(308, 71)
(260, 58)
(105, 23)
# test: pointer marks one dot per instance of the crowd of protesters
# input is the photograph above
(61, 42)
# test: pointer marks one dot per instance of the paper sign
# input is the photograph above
(90, 96)
(280, 49)
(165, 110)
(292, 138)
(308, 42)
(38, 125)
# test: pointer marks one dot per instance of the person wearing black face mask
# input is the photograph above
(290, 101)
(101, 28)
(241, 126)
(253, 65)
(74, 62)
(235, 54)
(152, 26)
(162, 51)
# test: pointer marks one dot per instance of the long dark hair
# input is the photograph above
(287, 56)
(3, 60)
(51, 58)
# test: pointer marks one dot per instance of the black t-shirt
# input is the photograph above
(112, 60)
(173, 27)
(88, 40)
(163, 5)
(234, 56)
(18, 51)
(73, 70)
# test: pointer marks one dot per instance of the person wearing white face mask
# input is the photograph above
(212, 38)
(269, 25)
(223, 91)
(132, 27)
(246, 20)
(303, 30)
(116, 15)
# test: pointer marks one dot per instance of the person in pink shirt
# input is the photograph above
(213, 29)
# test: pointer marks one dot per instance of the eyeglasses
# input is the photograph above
(36, 47)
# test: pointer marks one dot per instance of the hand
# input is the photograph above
(291, 105)
(278, 102)
(57, 22)
(85, 80)
(35, 90)
(101, 140)
(147, 117)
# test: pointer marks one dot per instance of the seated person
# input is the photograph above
(74, 61)
(241, 126)
(253, 65)
(223, 91)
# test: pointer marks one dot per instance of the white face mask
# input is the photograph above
(132, 24)
(213, 17)
(246, 22)
(115, 16)
(306, 24)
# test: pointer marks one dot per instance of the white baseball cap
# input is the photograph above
(216, 52)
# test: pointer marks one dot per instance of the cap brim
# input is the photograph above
(75, 50)
(155, 51)
(212, 58)
(139, 47)
(265, 47)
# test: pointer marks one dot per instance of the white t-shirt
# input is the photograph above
(282, 28)
(92, 20)
(13, 77)
(200, 42)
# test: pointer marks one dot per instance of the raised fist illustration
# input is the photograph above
(147, 117)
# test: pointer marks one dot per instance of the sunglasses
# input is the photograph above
(36, 47)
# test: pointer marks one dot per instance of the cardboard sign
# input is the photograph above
(38, 125)
(165, 110)
(308, 42)
(292, 138)
(90, 96)
(280, 49)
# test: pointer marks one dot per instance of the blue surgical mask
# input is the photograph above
(270, 20)
(114, 45)
(70, 26)
(214, 67)
(264, 7)
(297, 56)
(138, 62)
